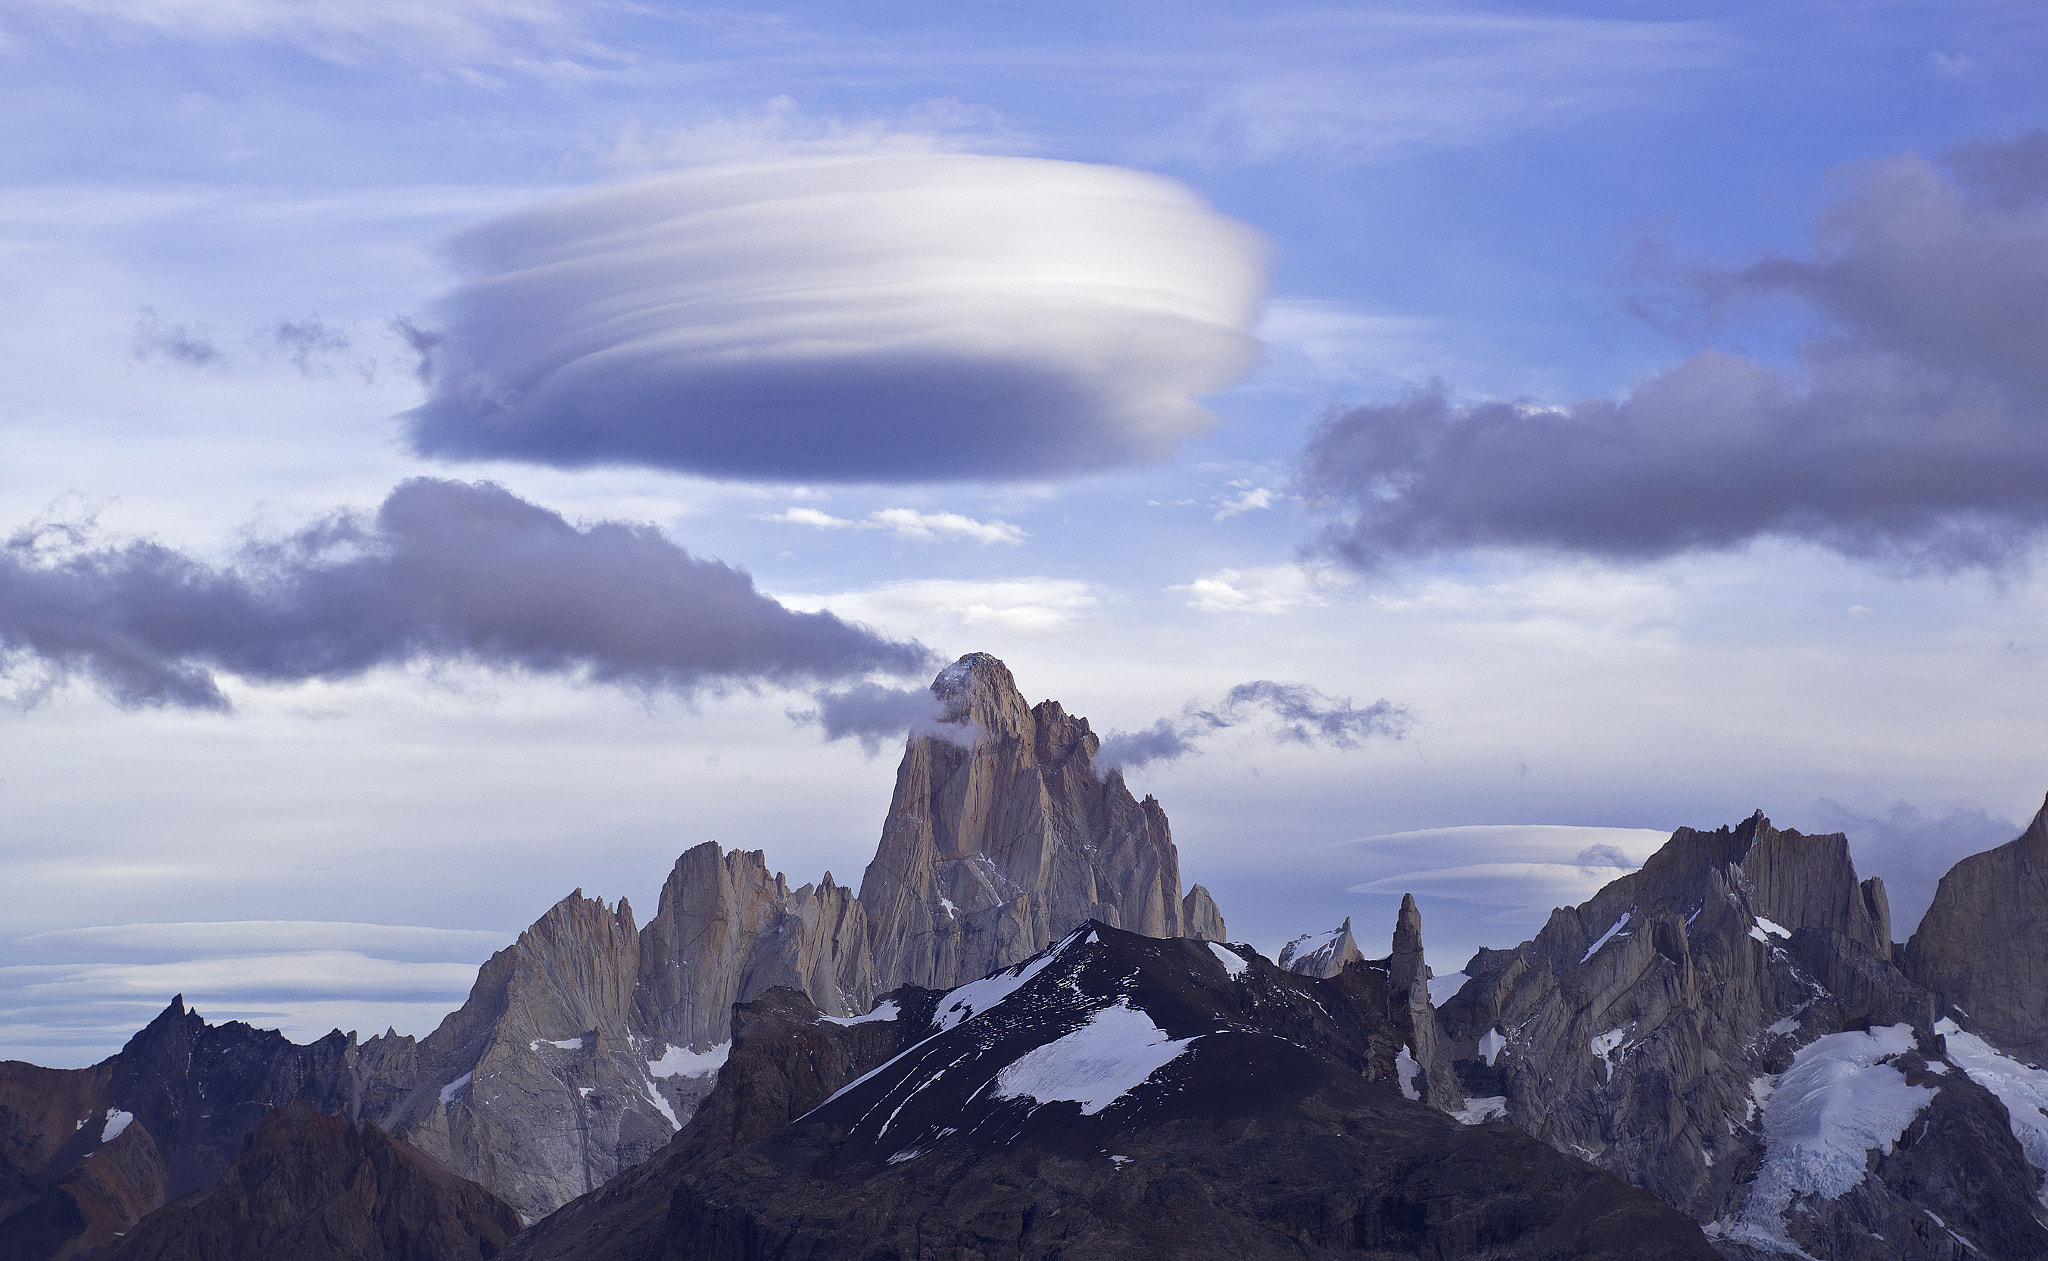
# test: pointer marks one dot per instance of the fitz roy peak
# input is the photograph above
(1002, 836)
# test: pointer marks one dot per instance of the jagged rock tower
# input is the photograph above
(1005, 836)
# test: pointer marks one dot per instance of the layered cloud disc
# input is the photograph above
(911, 318)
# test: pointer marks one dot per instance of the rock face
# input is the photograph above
(85, 1153)
(1116, 1096)
(586, 1044)
(1982, 948)
(1323, 954)
(1726, 1027)
(992, 849)
(311, 1187)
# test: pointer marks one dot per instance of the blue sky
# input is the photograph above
(213, 214)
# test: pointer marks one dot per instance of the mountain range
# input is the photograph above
(1022, 1038)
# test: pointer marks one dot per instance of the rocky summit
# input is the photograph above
(1021, 1037)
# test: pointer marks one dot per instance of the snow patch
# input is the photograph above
(1119, 1161)
(1822, 1118)
(566, 1044)
(1491, 1044)
(1095, 1065)
(952, 912)
(1789, 1024)
(117, 1121)
(1775, 930)
(454, 1088)
(979, 996)
(1604, 1047)
(681, 1061)
(1406, 1069)
(887, 1011)
(1484, 1108)
(2023, 1090)
(1442, 987)
(1232, 962)
(654, 1096)
(1607, 936)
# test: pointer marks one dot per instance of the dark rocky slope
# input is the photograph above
(1116, 1096)
(311, 1187)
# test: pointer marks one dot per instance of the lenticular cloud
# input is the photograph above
(854, 319)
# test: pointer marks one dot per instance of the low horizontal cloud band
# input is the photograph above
(441, 572)
(887, 319)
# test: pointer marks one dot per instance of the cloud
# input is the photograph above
(1292, 713)
(924, 527)
(880, 319)
(542, 37)
(1249, 500)
(783, 128)
(872, 713)
(443, 572)
(1915, 432)
(1273, 589)
(1913, 851)
(204, 939)
(188, 343)
(1034, 605)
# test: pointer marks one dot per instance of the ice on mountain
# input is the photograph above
(1232, 962)
(1607, 936)
(454, 1088)
(1774, 929)
(2022, 1089)
(1095, 1065)
(1484, 1108)
(1406, 1069)
(117, 1121)
(1491, 1044)
(886, 1011)
(1821, 1118)
(681, 1061)
(1603, 1047)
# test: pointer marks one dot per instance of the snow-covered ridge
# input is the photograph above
(884, 1011)
(978, 996)
(2021, 1088)
(1607, 936)
(1233, 963)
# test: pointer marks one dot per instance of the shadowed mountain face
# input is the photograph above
(1115, 1096)
(310, 1187)
(1983, 946)
(1727, 1028)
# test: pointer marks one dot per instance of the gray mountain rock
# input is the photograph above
(994, 847)
(1200, 917)
(1983, 946)
(1726, 1028)
(1324, 954)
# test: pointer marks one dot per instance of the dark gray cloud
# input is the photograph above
(1912, 850)
(441, 572)
(1915, 430)
(188, 343)
(1292, 713)
(905, 318)
(874, 713)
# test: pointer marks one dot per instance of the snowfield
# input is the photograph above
(1095, 1065)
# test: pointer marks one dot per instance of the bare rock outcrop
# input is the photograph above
(1200, 918)
(1322, 954)
(1982, 947)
